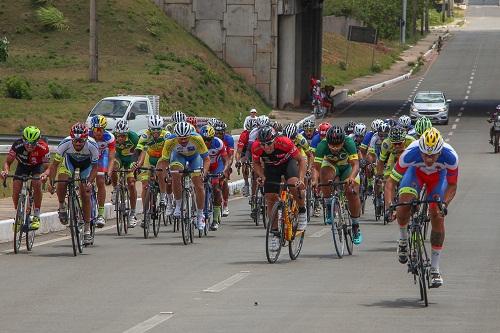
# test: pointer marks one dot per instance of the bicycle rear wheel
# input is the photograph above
(295, 244)
(126, 210)
(155, 216)
(309, 202)
(73, 227)
(422, 270)
(185, 217)
(118, 211)
(338, 228)
(347, 229)
(19, 223)
(276, 215)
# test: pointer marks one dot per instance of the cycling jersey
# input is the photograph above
(375, 145)
(228, 143)
(302, 144)
(356, 142)
(90, 151)
(217, 152)
(126, 150)
(447, 160)
(309, 139)
(284, 150)
(152, 146)
(346, 154)
(315, 141)
(366, 140)
(38, 156)
(195, 146)
(243, 141)
(387, 148)
(106, 144)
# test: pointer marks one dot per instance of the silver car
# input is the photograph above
(432, 104)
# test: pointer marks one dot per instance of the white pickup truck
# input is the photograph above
(134, 108)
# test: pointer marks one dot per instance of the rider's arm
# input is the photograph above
(8, 162)
(256, 151)
(319, 154)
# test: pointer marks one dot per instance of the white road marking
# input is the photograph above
(454, 126)
(468, 91)
(462, 108)
(464, 102)
(450, 134)
(470, 82)
(466, 97)
(55, 240)
(150, 323)
(320, 233)
(459, 114)
(227, 282)
(472, 77)
(457, 120)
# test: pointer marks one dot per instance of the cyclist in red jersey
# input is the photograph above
(32, 155)
(275, 156)
(241, 155)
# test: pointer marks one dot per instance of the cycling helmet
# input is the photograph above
(323, 128)
(192, 120)
(212, 121)
(290, 131)
(376, 124)
(155, 122)
(79, 131)
(183, 129)
(220, 126)
(349, 127)
(391, 122)
(308, 124)
(31, 134)
(431, 142)
(405, 121)
(121, 126)
(384, 128)
(397, 134)
(360, 129)
(249, 124)
(263, 121)
(335, 135)
(498, 107)
(277, 126)
(179, 117)
(266, 134)
(207, 132)
(423, 123)
(170, 127)
(98, 121)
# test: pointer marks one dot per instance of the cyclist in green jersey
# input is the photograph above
(126, 157)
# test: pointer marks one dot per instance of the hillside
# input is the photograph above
(142, 51)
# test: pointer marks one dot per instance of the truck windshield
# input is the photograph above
(111, 108)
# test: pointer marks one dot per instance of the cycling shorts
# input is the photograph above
(273, 174)
(28, 170)
(69, 166)
(192, 162)
(102, 164)
(148, 161)
(413, 180)
(125, 163)
(341, 171)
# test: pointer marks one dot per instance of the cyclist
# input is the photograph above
(261, 122)
(193, 121)
(433, 162)
(349, 127)
(186, 149)
(363, 147)
(275, 156)
(308, 130)
(32, 155)
(219, 162)
(374, 154)
(391, 149)
(77, 151)
(178, 117)
(320, 135)
(150, 146)
(126, 157)
(358, 134)
(220, 131)
(241, 155)
(337, 157)
(278, 127)
(421, 125)
(405, 122)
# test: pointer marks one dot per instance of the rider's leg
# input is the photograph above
(16, 189)
(162, 164)
(327, 173)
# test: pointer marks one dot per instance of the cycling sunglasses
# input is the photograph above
(267, 143)
(31, 144)
(79, 140)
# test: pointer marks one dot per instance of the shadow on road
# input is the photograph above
(408, 303)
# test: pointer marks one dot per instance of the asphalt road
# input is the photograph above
(223, 283)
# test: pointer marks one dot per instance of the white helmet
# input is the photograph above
(290, 131)
(360, 129)
(121, 126)
(253, 110)
(183, 129)
(155, 122)
(179, 117)
(212, 121)
(405, 121)
(248, 125)
(376, 124)
(263, 121)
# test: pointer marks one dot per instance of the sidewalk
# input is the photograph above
(398, 69)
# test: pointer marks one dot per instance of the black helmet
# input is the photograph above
(349, 127)
(266, 134)
(277, 126)
(397, 134)
(335, 135)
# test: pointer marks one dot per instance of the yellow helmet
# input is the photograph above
(207, 132)
(98, 121)
(431, 142)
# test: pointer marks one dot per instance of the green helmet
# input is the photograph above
(31, 134)
(423, 123)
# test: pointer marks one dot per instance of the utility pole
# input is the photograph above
(443, 10)
(426, 5)
(93, 53)
(403, 23)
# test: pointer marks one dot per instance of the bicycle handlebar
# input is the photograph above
(415, 202)
(16, 177)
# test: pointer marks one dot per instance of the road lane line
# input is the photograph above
(462, 108)
(237, 198)
(457, 120)
(450, 134)
(227, 282)
(55, 240)
(320, 233)
(468, 92)
(459, 114)
(464, 102)
(150, 323)
(470, 82)
(466, 97)
(454, 126)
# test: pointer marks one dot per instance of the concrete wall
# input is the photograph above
(339, 24)
(241, 32)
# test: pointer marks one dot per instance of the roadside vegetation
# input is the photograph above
(44, 76)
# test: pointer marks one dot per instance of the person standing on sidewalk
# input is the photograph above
(253, 115)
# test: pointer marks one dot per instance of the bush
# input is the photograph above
(4, 49)
(143, 47)
(52, 18)
(411, 63)
(17, 87)
(58, 91)
(343, 65)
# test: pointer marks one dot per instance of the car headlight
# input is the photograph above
(413, 109)
(443, 109)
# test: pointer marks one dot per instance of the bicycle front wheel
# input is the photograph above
(275, 235)
(185, 217)
(19, 223)
(295, 244)
(118, 212)
(422, 271)
(338, 234)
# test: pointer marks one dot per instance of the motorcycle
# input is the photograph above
(495, 132)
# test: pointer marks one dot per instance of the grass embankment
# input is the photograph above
(142, 51)
(359, 59)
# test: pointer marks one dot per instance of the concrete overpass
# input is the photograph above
(274, 44)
